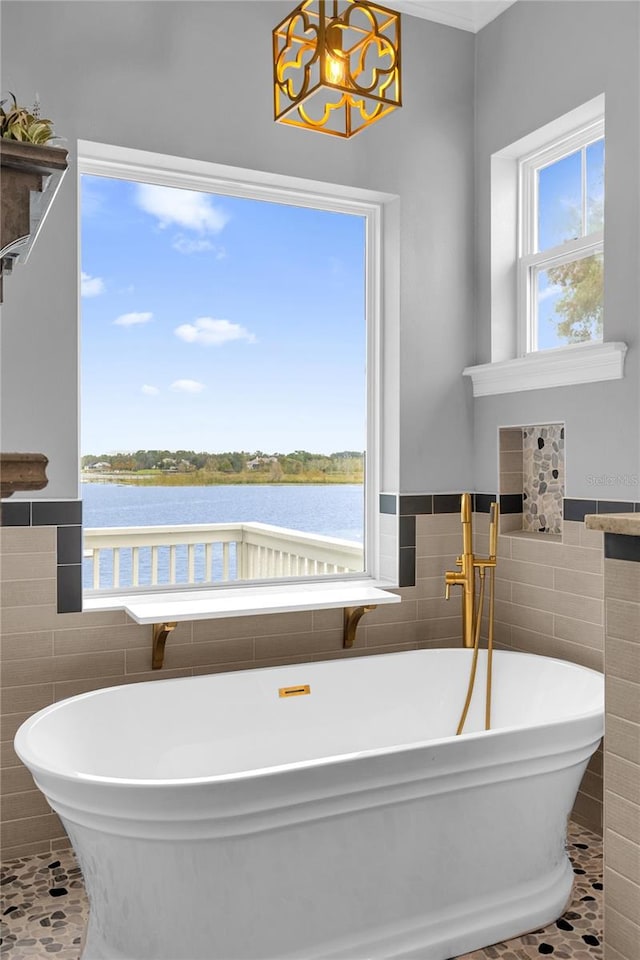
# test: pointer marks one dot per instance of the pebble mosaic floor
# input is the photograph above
(44, 910)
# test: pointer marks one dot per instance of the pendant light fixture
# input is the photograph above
(336, 66)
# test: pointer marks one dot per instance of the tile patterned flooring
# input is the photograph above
(44, 910)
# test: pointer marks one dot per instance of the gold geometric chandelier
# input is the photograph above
(336, 66)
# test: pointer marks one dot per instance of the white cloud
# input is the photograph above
(92, 200)
(549, 291)
(185, 208)
(187, 386)
(131, 319)
(91, 286)
(186, 245)
(213, 333)
(148, 390)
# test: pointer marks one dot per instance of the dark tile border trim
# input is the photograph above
(407, 531)
(419, 503)
(407, 567)
(510, 503)
(616, 506)
(70, 588)
(576, 509)
(66, 515)
(388, 503)
(482, 502)
(15, 514)
(55, 512)
(69, 544)
(620, 546)
(447, 502)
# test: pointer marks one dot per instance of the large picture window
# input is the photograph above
(227, 364)
(561, 261)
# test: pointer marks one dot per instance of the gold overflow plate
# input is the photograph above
(298, 691)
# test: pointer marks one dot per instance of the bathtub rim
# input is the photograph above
(38, 769)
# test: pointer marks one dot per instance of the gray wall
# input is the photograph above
(194, 79)
(116, 72)
(534, 63)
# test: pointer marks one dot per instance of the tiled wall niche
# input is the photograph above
(532, 467)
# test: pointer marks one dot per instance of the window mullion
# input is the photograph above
(564, 252)
(532, 280)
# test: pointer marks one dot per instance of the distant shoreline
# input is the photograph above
(198, 479)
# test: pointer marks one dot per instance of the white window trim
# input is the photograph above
(382, 270)
(508, 372)
(530, 260)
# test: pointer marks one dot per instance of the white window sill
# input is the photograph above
(206, 604)
(560, 367)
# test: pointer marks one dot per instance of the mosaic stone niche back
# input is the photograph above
(543, 478)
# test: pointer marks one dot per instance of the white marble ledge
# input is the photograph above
(625, 523)
(205, 604)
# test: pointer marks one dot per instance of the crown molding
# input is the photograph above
(470, 15)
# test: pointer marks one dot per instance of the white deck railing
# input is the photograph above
(117, 557)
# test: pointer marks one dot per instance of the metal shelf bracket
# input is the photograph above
(352, 617)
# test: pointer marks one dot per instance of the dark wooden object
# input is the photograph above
(22, 471)
(30, 175)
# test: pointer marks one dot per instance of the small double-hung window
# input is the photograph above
(561, 230)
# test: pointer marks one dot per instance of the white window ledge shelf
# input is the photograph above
(165, 610)
(240, 601)
(560, 367)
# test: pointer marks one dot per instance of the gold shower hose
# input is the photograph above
(493, 539)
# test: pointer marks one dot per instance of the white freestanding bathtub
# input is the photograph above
(215, 819)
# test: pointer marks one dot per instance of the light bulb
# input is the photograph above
(334, 64)
(335, 70)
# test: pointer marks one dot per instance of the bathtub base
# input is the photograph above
(437, 939)
(406, 889)
(463, 932)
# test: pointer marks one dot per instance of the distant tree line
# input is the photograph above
(273, 465)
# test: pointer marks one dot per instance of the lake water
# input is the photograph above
(336, 510)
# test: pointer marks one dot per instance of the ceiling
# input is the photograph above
(465, 14)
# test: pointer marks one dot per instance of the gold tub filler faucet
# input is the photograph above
(472, 614)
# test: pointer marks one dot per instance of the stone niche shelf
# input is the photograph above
(22, 471)
(31, 175)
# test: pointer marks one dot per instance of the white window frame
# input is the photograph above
(511, 369)
(530, 260)
(382, 270)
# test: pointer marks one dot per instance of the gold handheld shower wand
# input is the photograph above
(472, 616)
(465, 576)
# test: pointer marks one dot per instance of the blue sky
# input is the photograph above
(559, 220)
(219, 323)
